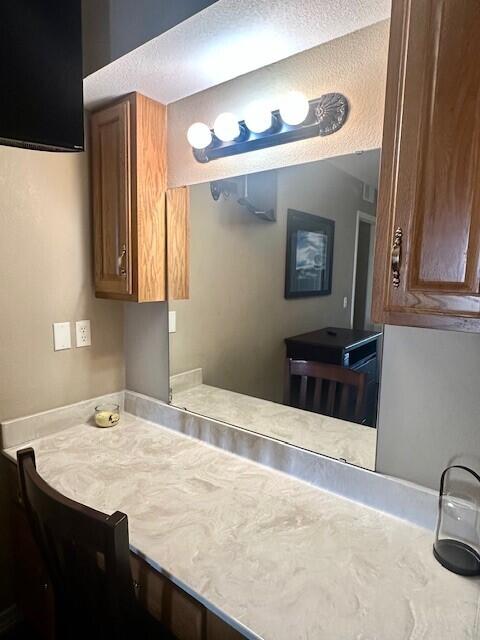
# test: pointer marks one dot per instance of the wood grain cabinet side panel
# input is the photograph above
(184, 616)
(181, 614)
(150, 171)
(217, 629)
(430, 170)
(178, 243)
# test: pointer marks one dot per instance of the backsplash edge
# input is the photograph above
(394, 496)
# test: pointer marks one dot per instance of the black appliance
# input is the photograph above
(41, 84)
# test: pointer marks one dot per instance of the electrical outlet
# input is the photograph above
(83, 333)
(345, 302)
(62, 338)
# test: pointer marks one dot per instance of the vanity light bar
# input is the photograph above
(324, 116)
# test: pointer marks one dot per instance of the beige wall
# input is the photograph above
(429, 403)
(146, 348)
(354, 65)
(46, 276)
(46, 267)
(237, 318)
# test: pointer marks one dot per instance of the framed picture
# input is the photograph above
(308, 270)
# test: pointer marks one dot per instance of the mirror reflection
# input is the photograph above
(277, 337)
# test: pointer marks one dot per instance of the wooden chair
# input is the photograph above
(87, 557)
(325, 388)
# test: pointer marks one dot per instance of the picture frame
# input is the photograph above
(309, 255)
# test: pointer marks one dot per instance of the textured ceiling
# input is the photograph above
(226, 40)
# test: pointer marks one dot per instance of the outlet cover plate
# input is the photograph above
(62, 338)
(83, 333)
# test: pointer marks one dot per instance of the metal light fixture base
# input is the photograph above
(326, 116)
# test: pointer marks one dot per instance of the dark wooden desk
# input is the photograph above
(353, 348)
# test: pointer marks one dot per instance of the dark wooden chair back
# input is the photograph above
(87, 559)
(325, 388)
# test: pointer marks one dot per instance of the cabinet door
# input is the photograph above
(111, 187)
(427, 254)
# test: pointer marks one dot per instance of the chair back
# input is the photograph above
(325, 388)
(87, 557)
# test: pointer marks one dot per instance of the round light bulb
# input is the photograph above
(199, 135)
(226, 127)
(294, 108)
(258, 116)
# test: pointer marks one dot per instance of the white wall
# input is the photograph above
(354, 65)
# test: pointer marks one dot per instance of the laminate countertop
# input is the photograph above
(354, 443)
(275, 557)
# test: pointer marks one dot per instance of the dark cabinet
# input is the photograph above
(428, 216)
(352, 348)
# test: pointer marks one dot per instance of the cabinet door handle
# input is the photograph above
(121, 261)
(396, 257)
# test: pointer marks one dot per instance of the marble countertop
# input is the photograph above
(279, 558)
(348, 441)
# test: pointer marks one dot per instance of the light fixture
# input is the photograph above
(199, 135)
(297, 119)
(226, 127)
(258, 116)
(294, 108)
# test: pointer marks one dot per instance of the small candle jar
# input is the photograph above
(107, 415)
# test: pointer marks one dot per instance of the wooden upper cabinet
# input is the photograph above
(140, 227)
(428, 220)
(112, 199)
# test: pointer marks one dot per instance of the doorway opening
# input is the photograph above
(363, 271)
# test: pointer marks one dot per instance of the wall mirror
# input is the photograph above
(276, 337)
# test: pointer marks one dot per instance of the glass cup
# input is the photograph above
(107, 415)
